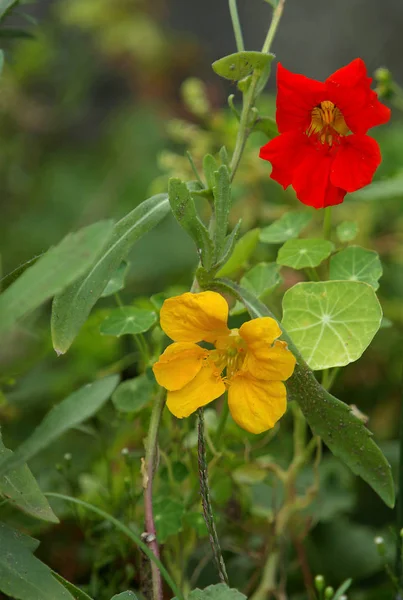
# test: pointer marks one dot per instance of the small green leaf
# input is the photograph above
(184, 210)
(301, 254)
(54, 271)
(71, 308)
(132, 395)
(356, 264)
(268, 126)
(22, 575)
(128, 320)
(117, 281)
(76, 408)
(222, 204)
(219, 591)
(168, 516)
(76, 592)
(347, 231)
(239, 65)
(331, 322)
(229, 244)
(210, 166)
(125, 596)
(289, 226)
(332, 420)
(21, 489)
(342, 589)
(243, 250)
(261, 280)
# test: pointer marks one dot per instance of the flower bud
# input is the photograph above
(319, 583)
(380, 545)
(383, 75)
(329, 593)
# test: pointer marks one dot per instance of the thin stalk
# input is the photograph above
(148, 477)
(327, 223)
(194, 169)
(399, 511)
(236, 25)
(250, 96)
(129, 533)
(206, 501)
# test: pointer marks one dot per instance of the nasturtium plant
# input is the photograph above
(356, 264)
(128, 320)
(347, 231)
(305, 253)
(331, 322)
(261, 280)
(289, 226)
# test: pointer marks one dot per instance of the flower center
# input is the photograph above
(327, 123)
(230, 352)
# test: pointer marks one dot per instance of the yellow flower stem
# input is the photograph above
(250, 95)
(206, 501)
(148, 470)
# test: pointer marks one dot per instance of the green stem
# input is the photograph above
(194, 169)
(327, 223)
(268, 583)
(206, 501)
(233, 9)
(130, 534)
(399, 509)
(148, 477)
(250, 96)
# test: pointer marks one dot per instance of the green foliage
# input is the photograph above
(261, 280)
(22, 575)
(243, 249)
(222, 205)
(72, 307)
(76, 408)
(347, 231)
(168, 515)
(331, 322)
(132, 395)
(128, 320)
(220, 591)
(302, 254)
(239, 65)
(117, 281)
(76, 592)
(125, 596)
(289, 226)
(356, 264)
(55, 270)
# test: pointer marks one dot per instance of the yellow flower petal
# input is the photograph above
(204, 388)
(178, 365)
(256, 405)
(270, 362)
(265, 360)
(195, 317)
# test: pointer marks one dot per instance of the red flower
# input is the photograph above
(323, 150)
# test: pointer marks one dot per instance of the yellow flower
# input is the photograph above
(254, 361)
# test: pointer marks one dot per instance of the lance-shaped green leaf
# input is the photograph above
(301, 254)
(287, 227)
(76, 592)
(210, 166)
(347, 231)
(242, 251)
(21, 489)
(222, 204)
(72, 307)
(127, 320)
(76, 408)
(229, 245)
(332, 420)
(51, 273)
(239, 65)
(356, 264)
(117, 281)
(5, 6)
(22, 575)
(331, 322)
(184, 209)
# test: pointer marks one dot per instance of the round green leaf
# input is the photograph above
(239, 65)
(117, 281)
(289, 226)
(331, 322)
(356, 264)
(347, 231)
(262, 279)
(168, 516)
(133, 394)
(128, 320)
(300, 254)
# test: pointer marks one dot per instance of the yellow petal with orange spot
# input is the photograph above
(204, 388)
(195, 317)
(270, 362)
(256, 405)
(179, 364)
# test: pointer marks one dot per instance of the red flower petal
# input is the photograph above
(297, 95)
(355, 163)
(311, 179)
(284, 152)
(349, 88)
